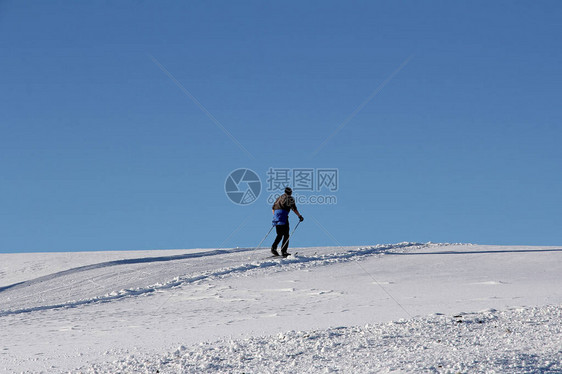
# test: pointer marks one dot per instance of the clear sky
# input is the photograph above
(120, 121)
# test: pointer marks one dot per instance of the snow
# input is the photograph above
(406, 307)
(525, 340)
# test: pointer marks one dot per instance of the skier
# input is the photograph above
(281, 209)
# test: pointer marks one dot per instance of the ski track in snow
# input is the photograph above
(312, 260)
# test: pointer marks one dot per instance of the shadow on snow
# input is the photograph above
(476, 252)
(131, 261)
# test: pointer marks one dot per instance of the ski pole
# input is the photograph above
(292, 232)
(265, 237)
(298, 223)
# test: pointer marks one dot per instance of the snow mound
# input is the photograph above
(525, 340)
(326, 309)
(108, 276)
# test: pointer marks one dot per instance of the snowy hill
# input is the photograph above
(404, 307)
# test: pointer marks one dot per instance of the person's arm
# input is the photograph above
(297, 213)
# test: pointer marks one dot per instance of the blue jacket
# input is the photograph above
(280, 217)
(281, 209)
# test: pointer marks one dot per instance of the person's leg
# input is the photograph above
(285, 245)
(279, 230)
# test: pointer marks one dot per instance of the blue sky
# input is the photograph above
(103, 148)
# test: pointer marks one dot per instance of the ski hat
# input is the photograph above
(288, 191)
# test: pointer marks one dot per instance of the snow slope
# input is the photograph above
(352, 309)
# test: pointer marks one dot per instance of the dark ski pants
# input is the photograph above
(282, 233)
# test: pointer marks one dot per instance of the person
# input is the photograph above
(281, 209)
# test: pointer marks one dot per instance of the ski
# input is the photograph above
(280, 257)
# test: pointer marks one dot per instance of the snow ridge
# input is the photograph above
(108, 264)
(288, 264)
